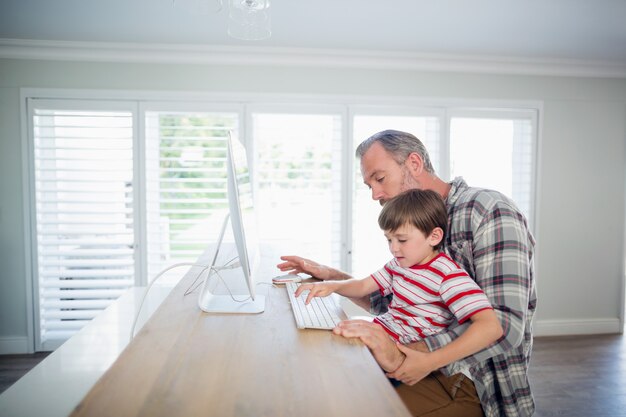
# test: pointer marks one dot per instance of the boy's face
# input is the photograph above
(410, 246)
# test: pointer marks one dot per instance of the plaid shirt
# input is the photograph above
(489, 238)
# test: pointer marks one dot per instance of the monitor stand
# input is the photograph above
(212, 303)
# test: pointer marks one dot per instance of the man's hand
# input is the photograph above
(296, 264)
(419, 346)
(386, 353)
(414, 368)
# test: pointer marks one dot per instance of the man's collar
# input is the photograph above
(456, 186)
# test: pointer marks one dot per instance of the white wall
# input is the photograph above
(582, 168)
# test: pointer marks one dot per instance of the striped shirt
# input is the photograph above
(427, 298)
(490, 239)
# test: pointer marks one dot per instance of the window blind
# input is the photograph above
(119, 194)
(83, 166)
(185, 184)
(495, 153)
(297, 174)
(369, 246)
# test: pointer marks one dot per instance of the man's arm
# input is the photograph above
(501, 252)
(483, 331)
(297, 264)
(501, 261)
(376, 303)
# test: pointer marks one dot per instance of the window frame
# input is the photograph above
(304, 108)
(31, 104)
(504, 113)
(169, 106)
(245, 104)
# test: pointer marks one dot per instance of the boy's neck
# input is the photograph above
(430, 257)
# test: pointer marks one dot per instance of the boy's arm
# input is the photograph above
(484, 329)
(354, 288)
(482, 332)
(347, 288)
(502, 252)
(296, 264)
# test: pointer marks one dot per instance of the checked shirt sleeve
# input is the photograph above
(379, 304)
(500, 256)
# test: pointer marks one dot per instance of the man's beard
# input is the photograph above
(408, 183)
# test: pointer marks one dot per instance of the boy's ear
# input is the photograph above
(436, 236)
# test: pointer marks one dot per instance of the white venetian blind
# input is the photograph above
(369, 246)
(496, 152)
(297, 178)
(186, 192)
(83, 183)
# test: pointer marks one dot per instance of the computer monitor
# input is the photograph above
(241, 218)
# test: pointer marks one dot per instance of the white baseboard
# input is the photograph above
(576, 327)
(19, 345)
(14, 345)
(540, 327)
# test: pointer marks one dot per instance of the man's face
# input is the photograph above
(383, 175)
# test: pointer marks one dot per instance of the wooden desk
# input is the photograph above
(188, 363)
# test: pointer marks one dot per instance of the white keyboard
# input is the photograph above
(320, 313)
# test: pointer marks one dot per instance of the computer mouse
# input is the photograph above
(282, 279)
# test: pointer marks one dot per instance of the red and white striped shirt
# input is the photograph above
(427, 298)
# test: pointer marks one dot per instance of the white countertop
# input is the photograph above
(58, 383)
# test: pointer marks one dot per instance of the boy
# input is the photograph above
(429, 289)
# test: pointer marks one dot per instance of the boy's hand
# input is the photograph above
(320, 289)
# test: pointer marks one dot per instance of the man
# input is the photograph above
(489, 238)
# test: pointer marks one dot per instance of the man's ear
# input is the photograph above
(415, 164)
(435, 237)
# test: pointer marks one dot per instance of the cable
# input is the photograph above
(228, 289)
(145, 294)
(227, 265)
(189, 290)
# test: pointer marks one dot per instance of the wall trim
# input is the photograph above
(577, 327)
(19, 345)
(298, 57)
(14, 345)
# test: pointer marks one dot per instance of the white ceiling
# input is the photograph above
(592, 30)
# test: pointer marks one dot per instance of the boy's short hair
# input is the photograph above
(424, 209)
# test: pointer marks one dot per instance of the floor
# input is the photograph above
(13, 367)
(573, 376)
(579, 376)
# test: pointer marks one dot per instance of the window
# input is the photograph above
(84, 199)
(489, 148)
(112, 210)
(185, 184)
(297, 176)
(369, 246)
(484, 143)
(123, 189)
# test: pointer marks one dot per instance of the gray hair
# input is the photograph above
(399, 144)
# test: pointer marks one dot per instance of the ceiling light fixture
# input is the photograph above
(249, 20)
